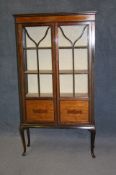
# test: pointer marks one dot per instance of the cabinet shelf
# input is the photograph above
(40, 72)
(77, 95)
(66, 95)
(83, 95)
(71, 72)
(32, 95)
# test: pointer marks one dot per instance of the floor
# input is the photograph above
(57, 152)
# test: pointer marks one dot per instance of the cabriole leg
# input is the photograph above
(93, 133)
(22, 134)
(28, 136)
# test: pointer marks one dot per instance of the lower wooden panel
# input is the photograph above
(75, 112)
(39, 111)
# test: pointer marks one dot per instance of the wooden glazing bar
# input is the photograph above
(75, 47)
(34, 48)
(38, 70)
(73, 72)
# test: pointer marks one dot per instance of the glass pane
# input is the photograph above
(66, 85)
(46, 85)
(69, 34)
(62, 41)
(47, 40)
(35, 34)
(32, 83)
(83, 40)
(81, 83)
(31, 60)
(65, 59)
(81, 59)
(45, 60)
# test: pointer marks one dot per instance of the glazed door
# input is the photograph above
(73, 58)
(39, 73)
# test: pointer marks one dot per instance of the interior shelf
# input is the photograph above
(40, 71)
(75, 71)
(37, 95)
(78, 95)
(60, 71)
(83, 95)
(46, 95)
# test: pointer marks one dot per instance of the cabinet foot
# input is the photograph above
(24, 154)
(93, 134)
(22, 134)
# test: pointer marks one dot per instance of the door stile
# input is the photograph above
(57, 71)
(54, 72)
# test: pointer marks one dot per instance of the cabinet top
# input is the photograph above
(55, 17)
(56, 14)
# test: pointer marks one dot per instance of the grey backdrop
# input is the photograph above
(105, 61)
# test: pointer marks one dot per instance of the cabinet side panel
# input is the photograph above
(93, 58)
(91, 69)
(20, 68)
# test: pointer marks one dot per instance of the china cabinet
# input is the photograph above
(55, 71)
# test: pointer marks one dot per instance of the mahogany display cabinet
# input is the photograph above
(55, 71)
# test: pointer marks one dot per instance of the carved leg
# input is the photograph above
(93, 133)
(23, 140)
(28, 136)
